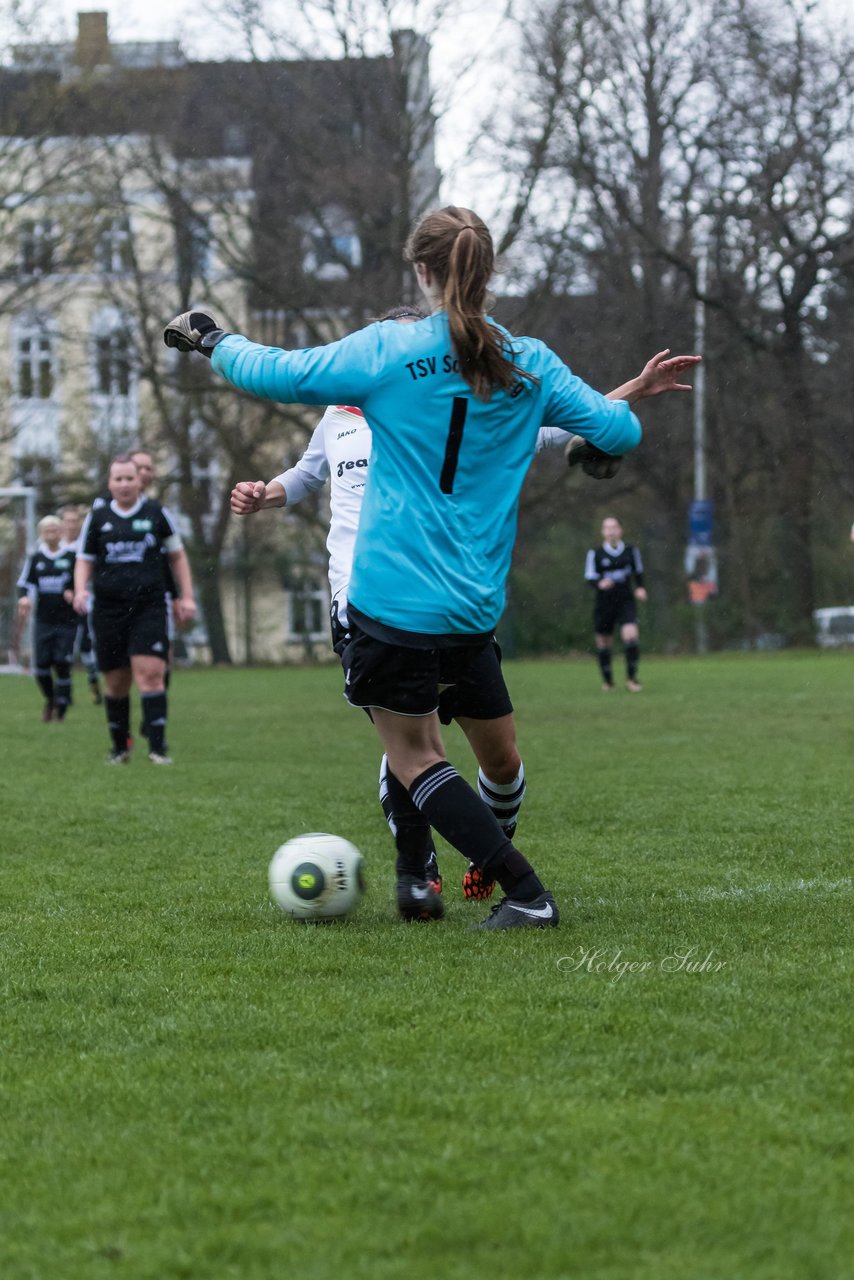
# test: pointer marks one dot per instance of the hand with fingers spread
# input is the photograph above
(660, 373)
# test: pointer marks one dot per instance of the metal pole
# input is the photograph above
(700, 629)
(247, 596)
(700, 379)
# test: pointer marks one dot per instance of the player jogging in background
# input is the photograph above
(72, 524)
(455, 405)
(47, 579)
(615, 571)
(121, 555)
(145, 467)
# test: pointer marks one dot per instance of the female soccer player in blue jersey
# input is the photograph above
(454, 404)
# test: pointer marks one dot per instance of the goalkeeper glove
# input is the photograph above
(593, 462)
(193, 331)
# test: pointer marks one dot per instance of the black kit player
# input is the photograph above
(121, 555)
(145, 467)
(47, 579)
(615, 571)
(72, 523)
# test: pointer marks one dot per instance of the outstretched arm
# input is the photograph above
(659, 374)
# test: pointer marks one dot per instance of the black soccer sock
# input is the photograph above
(154, 720)
(632, 659)
(411, 830)
(461, 817)
(63, 688)
(503, 798)
(45, 683)
(118, 721)
(604, 656)
(167, 676)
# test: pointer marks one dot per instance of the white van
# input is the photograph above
(834, 627)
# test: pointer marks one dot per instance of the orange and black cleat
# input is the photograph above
(476, 887)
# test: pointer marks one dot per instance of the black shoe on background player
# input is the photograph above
(418, 900)
(432, 874)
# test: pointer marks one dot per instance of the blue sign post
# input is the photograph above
(701, 566)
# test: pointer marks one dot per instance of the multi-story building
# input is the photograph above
(134, 184)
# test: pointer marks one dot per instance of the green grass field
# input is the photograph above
(195, 1086)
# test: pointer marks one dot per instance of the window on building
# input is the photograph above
(309, 611)
(271, 326)
(332, 249)
(235, 140)
(113, 365)
(36, 242)
(113, 248)
(35, 373)
(204, 467)
(193, 236)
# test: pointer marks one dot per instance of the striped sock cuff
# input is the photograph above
(504, 798)
(431, 782)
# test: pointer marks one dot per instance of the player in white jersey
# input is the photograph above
(455, 403)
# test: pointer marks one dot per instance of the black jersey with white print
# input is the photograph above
(103, 500)
(46, 575)
(620, 564)
(127, 548)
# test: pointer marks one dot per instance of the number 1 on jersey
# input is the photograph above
(452, 448)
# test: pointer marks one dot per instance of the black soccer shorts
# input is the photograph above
(54, 644)
(613, 611)
(407, 681)
(479, 691)
(122, 630)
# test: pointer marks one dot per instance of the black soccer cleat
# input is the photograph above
(509, 913)
(432, 874)
(418, 900)
(476, 886)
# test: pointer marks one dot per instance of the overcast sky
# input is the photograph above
(468, 59)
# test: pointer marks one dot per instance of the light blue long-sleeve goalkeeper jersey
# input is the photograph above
(438, 519)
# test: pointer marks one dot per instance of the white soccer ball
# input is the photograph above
(317, 877)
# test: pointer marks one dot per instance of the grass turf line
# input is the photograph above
(197, 1087)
